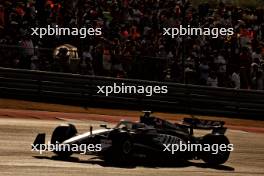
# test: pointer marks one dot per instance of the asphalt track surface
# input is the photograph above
(17, 132)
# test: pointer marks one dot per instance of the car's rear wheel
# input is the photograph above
(215, 157)
(60, 134)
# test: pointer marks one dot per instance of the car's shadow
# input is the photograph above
(140, 163)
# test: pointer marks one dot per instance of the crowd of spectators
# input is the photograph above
(132, 44)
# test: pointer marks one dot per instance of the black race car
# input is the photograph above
(151, 138)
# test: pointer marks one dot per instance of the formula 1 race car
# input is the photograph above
(151, 138)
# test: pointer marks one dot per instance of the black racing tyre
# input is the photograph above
(60, 134)
(219, 158)
(122, 150)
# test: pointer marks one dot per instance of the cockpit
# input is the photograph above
(128, 125)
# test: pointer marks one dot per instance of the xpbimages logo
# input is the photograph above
(195, 31)
(58, 147)
(183, 147)
(131, 89)
(58, 31)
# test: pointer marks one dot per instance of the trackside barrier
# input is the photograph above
(82, 90)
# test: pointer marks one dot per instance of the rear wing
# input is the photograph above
(216, 126)
(203, 124)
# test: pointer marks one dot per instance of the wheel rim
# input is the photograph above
(127, 146)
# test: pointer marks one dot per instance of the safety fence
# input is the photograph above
(82, 90)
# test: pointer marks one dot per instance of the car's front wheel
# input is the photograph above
(60, 134)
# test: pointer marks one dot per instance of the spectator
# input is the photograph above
(204, 71)
(86, 63)
(212, 80)
(27, 51)
(63, 60)
(235, 78)
(107, 62)
(34, 63)
(220, 63)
